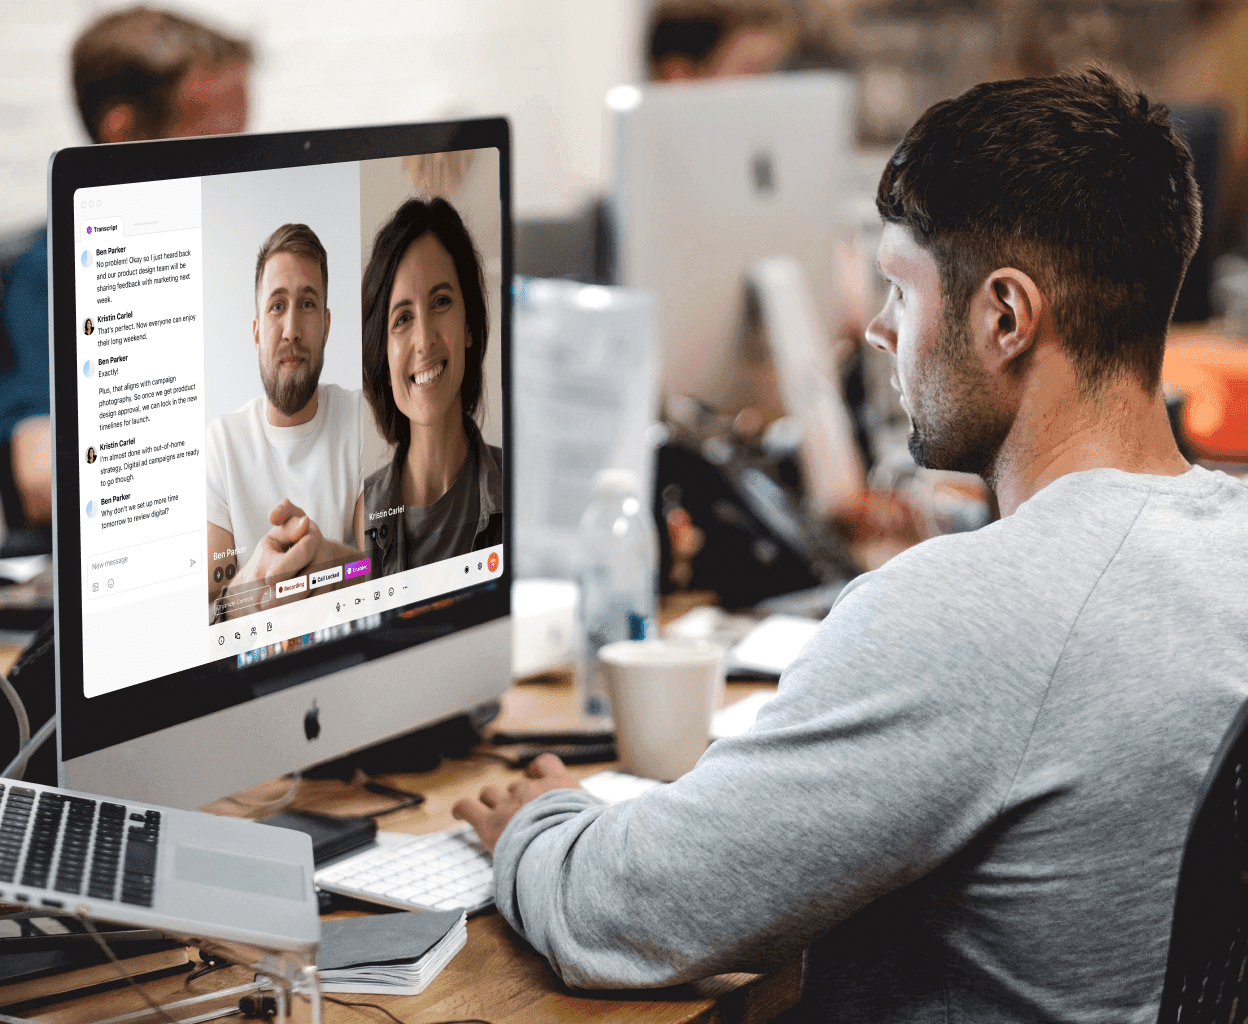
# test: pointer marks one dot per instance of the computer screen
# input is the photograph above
(709, 177)
(736, 201)
(281, 413)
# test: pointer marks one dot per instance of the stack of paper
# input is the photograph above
(613, 787)
(770, 647)
(737, 719)
(389, 954)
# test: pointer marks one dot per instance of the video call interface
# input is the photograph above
(290, 406)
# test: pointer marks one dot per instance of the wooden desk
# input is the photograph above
(9, 653)
(495, 977)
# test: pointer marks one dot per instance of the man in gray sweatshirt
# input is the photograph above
(969, 798)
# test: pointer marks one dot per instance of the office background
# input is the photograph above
(546, 64)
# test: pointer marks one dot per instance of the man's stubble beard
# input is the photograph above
(961, 429)
(292, 394)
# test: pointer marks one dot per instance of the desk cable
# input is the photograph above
(19, 709)
(406, 797)
(26, 744)
(254, 1002)
(260, 807)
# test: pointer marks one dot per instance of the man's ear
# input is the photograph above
(120, 123)
(255, 334)
(1010, 307)
(325, 340)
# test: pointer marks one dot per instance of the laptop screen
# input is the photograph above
(288, 401)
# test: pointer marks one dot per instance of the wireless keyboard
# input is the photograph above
(442, 870)
(439, 871)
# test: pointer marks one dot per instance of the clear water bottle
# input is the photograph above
(618, 574)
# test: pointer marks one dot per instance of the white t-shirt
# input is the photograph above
(253, 465)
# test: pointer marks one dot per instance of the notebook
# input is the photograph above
(389, 954)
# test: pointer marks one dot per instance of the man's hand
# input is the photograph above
(325, 550)
(490, 812)
(288, 547)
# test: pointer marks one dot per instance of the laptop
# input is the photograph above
(192, 875)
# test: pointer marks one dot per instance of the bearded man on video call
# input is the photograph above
(284, 471)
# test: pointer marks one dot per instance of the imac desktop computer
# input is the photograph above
(737, 202)
(281, 410)
(707, 179)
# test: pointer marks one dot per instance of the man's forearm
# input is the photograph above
(853, 783)
(639, 895)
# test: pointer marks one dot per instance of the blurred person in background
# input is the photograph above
(719, 38)
(692, 39)
(138, 74)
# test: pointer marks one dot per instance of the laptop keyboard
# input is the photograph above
(54, 842)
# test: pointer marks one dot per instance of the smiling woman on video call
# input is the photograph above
(424, 331)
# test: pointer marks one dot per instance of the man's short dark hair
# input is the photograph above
(299, 240)
(139, 56)
(1073, 179)
(412, 220)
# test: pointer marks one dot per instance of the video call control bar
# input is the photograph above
(279, 619)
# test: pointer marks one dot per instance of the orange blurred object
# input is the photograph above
(1212, 372)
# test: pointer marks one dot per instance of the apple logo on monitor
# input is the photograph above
(763, 172)
(312, 723)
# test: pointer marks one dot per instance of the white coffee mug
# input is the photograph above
(662, 694)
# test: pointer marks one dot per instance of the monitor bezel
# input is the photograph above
(87, 725)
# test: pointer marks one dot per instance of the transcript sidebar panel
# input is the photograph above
(139, 326)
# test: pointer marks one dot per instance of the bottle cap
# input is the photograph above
(616, 481)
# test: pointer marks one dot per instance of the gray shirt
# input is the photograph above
(398, 538)
(449, 525)
(970, 795)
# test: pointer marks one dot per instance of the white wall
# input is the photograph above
(544, 63)
(239, 212)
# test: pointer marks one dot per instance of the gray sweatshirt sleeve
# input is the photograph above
(890, 744)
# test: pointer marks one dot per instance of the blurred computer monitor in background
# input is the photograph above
(707, 179)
